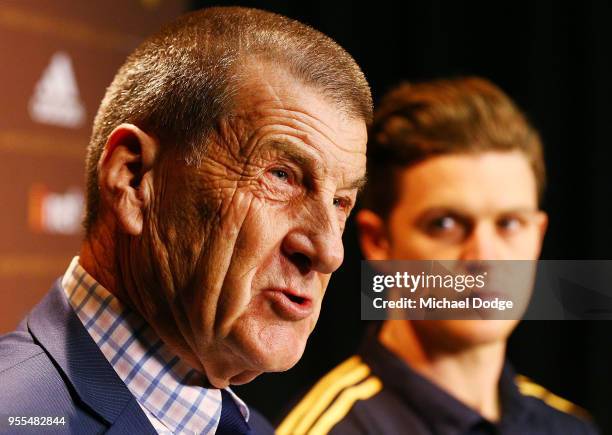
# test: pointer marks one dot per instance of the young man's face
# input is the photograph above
(461, 207)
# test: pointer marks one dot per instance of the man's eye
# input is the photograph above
(447, 228)
(444, 223)
(341, 203)
(509, 224)
(280, 174)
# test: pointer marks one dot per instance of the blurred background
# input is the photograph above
(554, 59)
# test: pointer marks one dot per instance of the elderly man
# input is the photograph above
(224, 161)
(455, 172)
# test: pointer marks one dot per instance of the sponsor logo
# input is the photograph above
(53, 212)
(56, 98)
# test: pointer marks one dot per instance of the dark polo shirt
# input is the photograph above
(380, 394)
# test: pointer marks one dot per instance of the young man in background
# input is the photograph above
(455, 173)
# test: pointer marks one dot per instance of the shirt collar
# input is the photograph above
(440, 410)
(163, 384)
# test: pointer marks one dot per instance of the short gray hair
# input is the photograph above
(181, 81)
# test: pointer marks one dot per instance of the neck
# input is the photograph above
(470, 374)
(99, 256)
(109, 257)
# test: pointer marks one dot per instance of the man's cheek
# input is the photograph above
(324, 280)
(270, 219)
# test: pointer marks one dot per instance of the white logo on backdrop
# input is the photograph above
(57, 213)
(56, 97)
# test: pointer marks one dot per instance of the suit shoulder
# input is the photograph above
(16, 348)
(331, 399)
(554, 408)
(30, 382)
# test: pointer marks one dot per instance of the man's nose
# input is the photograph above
(482, 244)
(316, 245)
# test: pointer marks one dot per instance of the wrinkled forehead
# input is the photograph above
(277, 105)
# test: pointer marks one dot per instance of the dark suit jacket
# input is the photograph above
(51, 367)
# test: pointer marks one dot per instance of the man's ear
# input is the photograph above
(125, 175)
(372, 235)
(542, 225)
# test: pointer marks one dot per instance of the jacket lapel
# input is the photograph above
(60, 332)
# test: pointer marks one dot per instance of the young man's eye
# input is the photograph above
(446, 228)
(509, 224)
(443, 225)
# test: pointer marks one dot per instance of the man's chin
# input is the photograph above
(258, 362)
(227, 377)
(276, 350)
(466, 333)
(278, 358)
(244, 377)
(284, 362)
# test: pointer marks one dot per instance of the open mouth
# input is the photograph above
(296, 299)
(288, 305)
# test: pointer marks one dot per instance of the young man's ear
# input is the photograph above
(125, 175)
(372, 235)
(542, 224)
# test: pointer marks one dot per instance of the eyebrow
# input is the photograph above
(295, 153)
(358, 183)
(303, 158)
(463, 214)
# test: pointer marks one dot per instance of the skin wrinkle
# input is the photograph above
(191, 304)
(288, 112)
(304, 159)
(224, 212)
(293, 115)
(301, 121)
(259, 69)
(301, 155)
(157, 240)
(221, 329)
(96, 250)
(253, 148)
(165, 278)
(301, 129)
(233, 132)
(243, 174)
(170, 281)
(156, 248)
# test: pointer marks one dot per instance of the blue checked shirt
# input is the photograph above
(168, 390)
